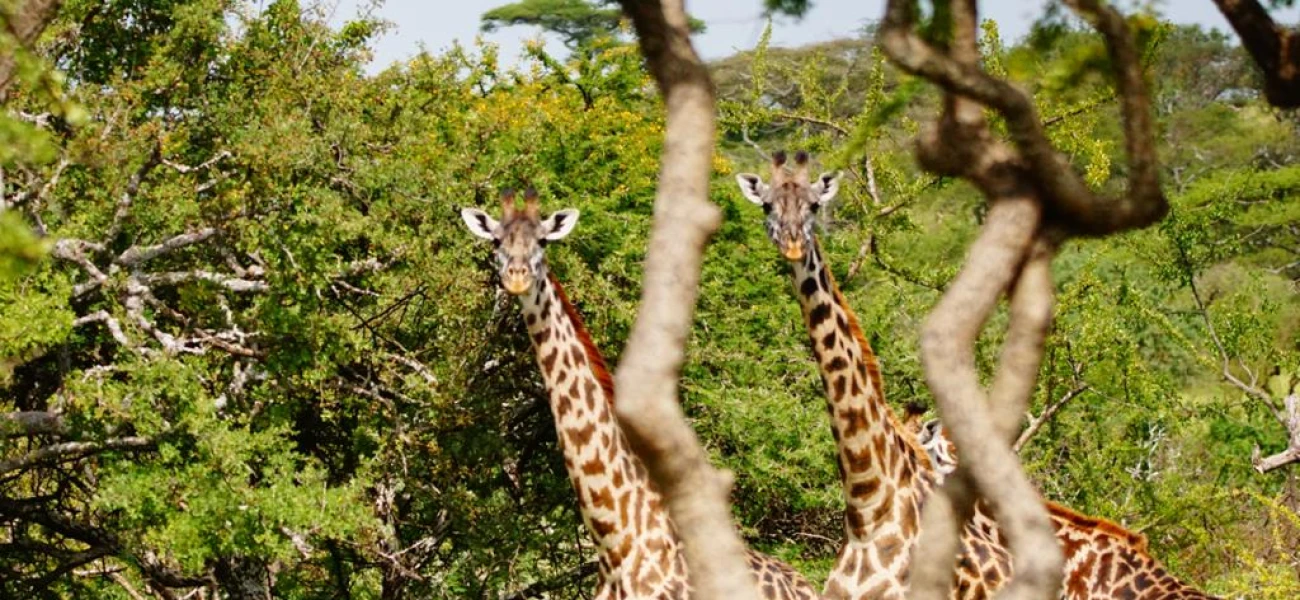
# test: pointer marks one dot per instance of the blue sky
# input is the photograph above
(732, 24)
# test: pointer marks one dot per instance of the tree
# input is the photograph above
(579, 23)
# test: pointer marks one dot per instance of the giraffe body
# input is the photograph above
(639, 554)
(1102, 559)
(885, 472)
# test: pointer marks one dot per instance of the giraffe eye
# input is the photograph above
(815, 207)
(767, 208)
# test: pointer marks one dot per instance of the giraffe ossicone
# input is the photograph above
(638, 550)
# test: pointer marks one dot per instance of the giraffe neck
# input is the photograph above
(619, 505)
(880, 463)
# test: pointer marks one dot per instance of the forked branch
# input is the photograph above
(1036, 201)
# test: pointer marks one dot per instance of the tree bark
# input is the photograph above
(1276, 50)
(24, 25)
(647, 377)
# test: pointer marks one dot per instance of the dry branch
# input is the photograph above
(1292, 453)
(72, 451)
(31, 422)
(647, 377)
(1036, 423)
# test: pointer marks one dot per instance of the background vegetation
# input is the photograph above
(274, 354)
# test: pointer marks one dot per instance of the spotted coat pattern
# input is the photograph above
(1102, 559)
(639, 553)
(885, 473)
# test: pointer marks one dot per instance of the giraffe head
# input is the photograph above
(520, 238)
(943, 454)
(790, 201)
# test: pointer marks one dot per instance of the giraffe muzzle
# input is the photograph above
(517, 285)
(793, 250)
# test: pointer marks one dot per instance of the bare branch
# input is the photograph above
(415, 365)
(74, 251)
(68, 451)
(234, 284)
(1292, 452)
(32, 422)
(180, 168)
(132, 188)
(1036, 423)
(814, 121)
(25, 25)
(135, 255)
(1067, 196)
(647, 377)
(114, 327)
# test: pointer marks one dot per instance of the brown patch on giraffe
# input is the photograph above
(601, 497)
(1134, 540)
(593, 467)
(594, 359)
(855, 420)
(808, 287)
(910, 518)
(864, 488)
(542, 336)
(579, 437)
(602, 528)
(839, 387)
(858, 461)
(828, 340)
(548, 361)
(886, 507)
(888, 548)
(837, 364)
(818, 315)
(562, 406)
(1077, 586)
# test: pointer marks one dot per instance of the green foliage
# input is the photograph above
(1154, 439)
(331, 390)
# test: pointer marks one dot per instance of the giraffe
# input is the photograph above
(639, 554)
(885, 472)
(1102, 558)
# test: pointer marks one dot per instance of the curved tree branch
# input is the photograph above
(1275, 49)
(647, 377)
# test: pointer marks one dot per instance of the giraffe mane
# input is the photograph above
(873, 367)
(598, 367)
(1135, 540)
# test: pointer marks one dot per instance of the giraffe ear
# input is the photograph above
(559, 224)
(752, 187)
(479, 223)
(826, 186)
